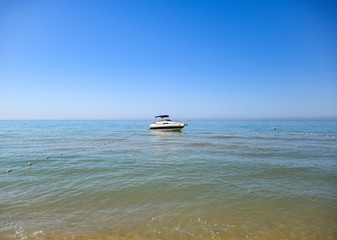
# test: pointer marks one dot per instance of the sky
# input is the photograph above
(131, 59)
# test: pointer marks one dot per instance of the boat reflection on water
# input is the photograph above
(166, 133)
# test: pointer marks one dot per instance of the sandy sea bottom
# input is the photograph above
(260, 219)
(187, 230)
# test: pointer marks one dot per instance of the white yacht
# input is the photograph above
(166, 124)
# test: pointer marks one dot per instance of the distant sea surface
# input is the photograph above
(213, 180)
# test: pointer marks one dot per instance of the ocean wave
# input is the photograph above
(226, 137)
(201, 144)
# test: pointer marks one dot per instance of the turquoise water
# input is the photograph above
(213, 180)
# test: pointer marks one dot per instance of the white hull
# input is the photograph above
(167, 126)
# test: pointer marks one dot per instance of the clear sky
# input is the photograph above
(189, 59)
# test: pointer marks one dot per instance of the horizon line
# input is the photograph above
(185, 119)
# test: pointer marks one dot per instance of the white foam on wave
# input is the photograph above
(20, 233)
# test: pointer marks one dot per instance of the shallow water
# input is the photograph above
(213, 180)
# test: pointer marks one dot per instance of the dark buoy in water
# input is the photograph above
(28, 165)
(274, 129)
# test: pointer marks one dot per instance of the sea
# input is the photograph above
(213, 180)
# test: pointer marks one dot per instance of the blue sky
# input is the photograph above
(190, 59)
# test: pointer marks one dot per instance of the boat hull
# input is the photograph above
(167, 126)
(173, 128)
